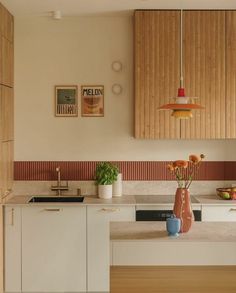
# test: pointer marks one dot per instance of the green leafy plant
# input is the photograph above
(106, 173)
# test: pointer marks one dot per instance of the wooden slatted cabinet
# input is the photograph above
(7, 113)
(7, 62)
(204, 73)
(6, 117)
(157, 60)
(6, 100)
(209, 63)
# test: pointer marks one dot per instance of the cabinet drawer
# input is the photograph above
(219, 213)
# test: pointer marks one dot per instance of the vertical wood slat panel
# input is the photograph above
(230, 74)
(147, 61)
(137, 88)
(204, 73)
(156, 72)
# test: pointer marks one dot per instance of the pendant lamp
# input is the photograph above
(182, 106)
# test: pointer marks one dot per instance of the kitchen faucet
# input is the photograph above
(58, 188)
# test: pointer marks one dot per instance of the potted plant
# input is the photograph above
(106, 174)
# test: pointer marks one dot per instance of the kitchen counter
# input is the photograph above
(88, 200)
(213, 200)
(130, 200)
(159, 199)
(147, 243)
(169, 199)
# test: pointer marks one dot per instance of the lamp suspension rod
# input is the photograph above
(181, 49)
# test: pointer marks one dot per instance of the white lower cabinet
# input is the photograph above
(219, 213)
(98, 249)
(53, 249)
(12, 248)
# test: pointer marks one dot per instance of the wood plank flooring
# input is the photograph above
(173, 279)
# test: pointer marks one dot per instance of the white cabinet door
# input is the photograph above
(98, 219)
(224, 213)
(12, 243)
(53, 249)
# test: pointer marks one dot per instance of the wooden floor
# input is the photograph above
(202, 279)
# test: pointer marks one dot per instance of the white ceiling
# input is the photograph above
(84, 7)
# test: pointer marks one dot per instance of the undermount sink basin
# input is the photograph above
(56, 199)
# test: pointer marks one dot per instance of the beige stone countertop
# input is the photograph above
(195, 200)
(156, 231)
(88, 200)
(159, 199)
(129, 200)
(213, 200)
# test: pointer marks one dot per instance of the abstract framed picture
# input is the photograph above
(92, 101)
(66, 101)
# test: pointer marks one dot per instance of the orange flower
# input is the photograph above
(194, 159)
(183, 178)
(170, 167)
(180, 164)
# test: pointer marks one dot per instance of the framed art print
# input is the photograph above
(66, 101)
(92, 100)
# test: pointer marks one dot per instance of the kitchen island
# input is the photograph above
(145, 259)
(147, 243)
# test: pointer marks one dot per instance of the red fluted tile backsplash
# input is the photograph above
(131, 170)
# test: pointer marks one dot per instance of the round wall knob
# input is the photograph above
(116, 66)
(116, 89)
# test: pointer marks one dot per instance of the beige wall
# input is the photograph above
(80, 51)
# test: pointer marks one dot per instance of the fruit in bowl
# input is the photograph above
(233, 193)
(225, 195)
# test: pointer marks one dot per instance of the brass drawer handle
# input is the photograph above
(12, 216)
(52, 210)
(110, 210)
(8, 191)
(232, 210)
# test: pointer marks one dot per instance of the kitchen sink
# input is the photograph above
(56, 199)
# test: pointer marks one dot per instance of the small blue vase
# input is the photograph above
(173, 226)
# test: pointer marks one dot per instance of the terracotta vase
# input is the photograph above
(183, 209)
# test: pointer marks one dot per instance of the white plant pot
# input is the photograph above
(117, 186)
(105, 191)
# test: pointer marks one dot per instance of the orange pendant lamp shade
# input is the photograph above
(182, 108)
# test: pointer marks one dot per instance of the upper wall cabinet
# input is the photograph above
(209, 65)
(6, 24)
(157, 58)
(6, 113)
(204, 73)
(6, 102)
(6, 47)
(6, 62)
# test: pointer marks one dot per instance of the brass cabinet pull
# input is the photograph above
(110, 210)
(232, 210)
(52, 210)
(12, 216)
(7, 192)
